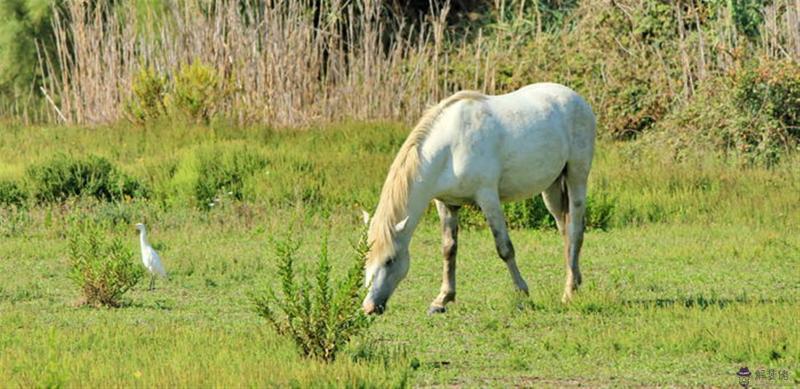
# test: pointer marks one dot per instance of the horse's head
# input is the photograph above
(387, 265)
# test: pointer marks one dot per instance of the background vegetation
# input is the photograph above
(720, 74)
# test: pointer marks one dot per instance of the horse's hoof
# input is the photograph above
(434, 310)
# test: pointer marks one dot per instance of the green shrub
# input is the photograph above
(224, 172)
(199, 92)
(654, 22)
(14, 221)
(529, 213)
(299, 179)
(599, 210)
(763, 119)
(212, 173)
(26, 28)
(63, 176)
(103, 268)
(11, 194)
(524, 214)
(632, 107)
(533, 214)
(147, 101)
(320, 318)
(772, 88)
(752, 115)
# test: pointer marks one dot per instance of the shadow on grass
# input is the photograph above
(700, 302)
(598, 305)
(160, 304)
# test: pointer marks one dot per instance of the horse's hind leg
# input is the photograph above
(489, 202)
(555, 199)
(449, 218)
(576, 180)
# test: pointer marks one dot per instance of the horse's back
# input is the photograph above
(544, 107)
(518, 142)
(544, 127)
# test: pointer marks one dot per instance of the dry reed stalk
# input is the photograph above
(286, 69)
(286, 63)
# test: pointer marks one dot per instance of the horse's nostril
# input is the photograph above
(371, 308)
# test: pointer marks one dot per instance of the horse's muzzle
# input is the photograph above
(371, 308)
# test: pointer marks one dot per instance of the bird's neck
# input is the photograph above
(143, 238)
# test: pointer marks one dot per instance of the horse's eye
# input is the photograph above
(390, 262)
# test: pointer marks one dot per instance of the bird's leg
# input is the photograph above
(152, 282)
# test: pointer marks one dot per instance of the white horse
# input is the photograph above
(474, 148)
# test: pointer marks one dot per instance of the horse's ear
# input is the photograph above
(400, 226)
(365, 217)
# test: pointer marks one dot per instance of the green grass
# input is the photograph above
(697, 274)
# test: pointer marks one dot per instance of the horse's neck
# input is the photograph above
(420, 194)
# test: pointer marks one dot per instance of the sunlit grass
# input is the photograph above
(696, 275)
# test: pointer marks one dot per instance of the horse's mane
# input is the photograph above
(393, 204)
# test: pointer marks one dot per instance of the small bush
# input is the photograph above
(525, 214)
(148, 99)
(529, 213)
(11, 194)
(14, 221)
(225, 172)
(772, 88)
(211, 173)
(766, 101)
(752, 114)
(633, 108)
(199, 92)
(599, 210)
(319, 318)
(102, 268)
(63, 177)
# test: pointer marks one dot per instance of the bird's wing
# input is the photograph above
(155, 262)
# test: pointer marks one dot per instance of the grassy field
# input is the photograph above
(695, 273)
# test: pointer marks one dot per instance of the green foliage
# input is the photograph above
(528, 18)
(103, 268)
(599, 210)
(11, 194)
(211, 173)
(225, 171)
(63, 176)
(14, 221)
(320, 318)
(633, 107)
(24, 24)
(655, 22)
(751, 115)
(772, 89)
(198, 92)
(533, 214)
(747, 15)
(149, 92)
(528, 213)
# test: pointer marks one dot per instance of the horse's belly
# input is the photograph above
(531, 163)
(521, 183)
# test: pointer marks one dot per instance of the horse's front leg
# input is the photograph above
(489, 201)
(449, 218)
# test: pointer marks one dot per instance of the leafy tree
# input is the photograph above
(24, 24)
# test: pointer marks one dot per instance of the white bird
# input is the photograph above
(150, 257)
(365, 217)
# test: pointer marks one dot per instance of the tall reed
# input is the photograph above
(297, 62)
